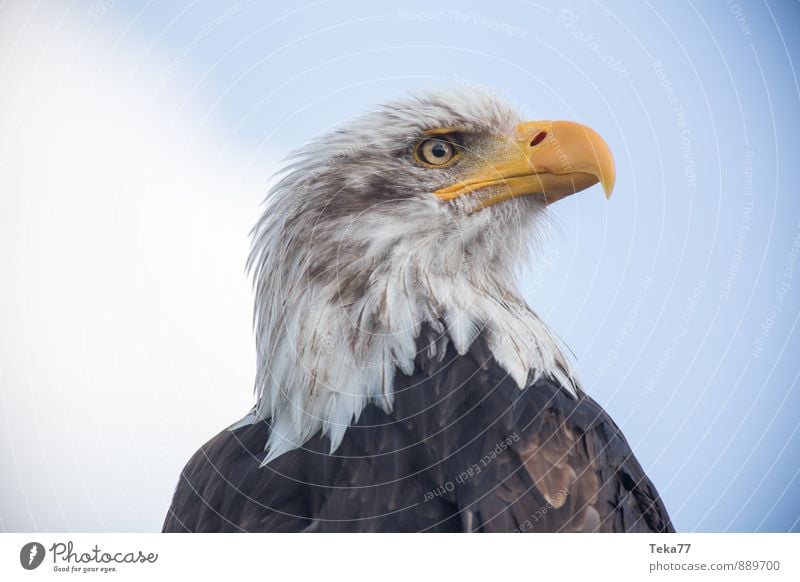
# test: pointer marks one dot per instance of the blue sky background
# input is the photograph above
(679, 297)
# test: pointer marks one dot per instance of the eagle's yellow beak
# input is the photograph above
(552, 158)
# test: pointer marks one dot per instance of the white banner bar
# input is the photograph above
(387, 557)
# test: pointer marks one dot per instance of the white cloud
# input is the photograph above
(124, 310)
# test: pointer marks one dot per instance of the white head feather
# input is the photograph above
(354, 253)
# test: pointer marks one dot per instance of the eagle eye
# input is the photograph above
(436, 152)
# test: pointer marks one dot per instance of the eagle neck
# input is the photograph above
(333, 345)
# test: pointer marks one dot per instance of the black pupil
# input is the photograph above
(439, 150)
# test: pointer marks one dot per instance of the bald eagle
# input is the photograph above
(403, 383)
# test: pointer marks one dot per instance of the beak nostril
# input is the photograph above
(539, 138)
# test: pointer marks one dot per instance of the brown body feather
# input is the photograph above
(464, 449)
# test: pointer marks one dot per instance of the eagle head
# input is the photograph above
(395, 235)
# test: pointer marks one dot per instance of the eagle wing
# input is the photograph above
(223, 488)
(553, 463)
